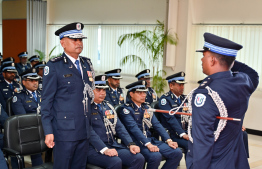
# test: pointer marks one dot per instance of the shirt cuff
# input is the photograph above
(147, 143)
(181, 135)
(103, 150)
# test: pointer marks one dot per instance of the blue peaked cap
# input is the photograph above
(220, 45)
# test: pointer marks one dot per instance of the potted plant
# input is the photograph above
(153, 43)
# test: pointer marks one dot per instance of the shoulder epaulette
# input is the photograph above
(167, 93)
(205, 83)
(82, 57)
(127, 104)
(56, 59)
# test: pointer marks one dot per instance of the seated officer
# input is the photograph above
(8, 86)
(138, 120)
(114, 94)
(176, 124)
(5, 61)
(34, 60)
(27, 101)
(22, 65)
(3, 117)
(106, 152)
(151, 95)
(39, 69)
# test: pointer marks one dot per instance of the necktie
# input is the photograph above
(78, 66)
(11, 86)
(34, 95)
(116, 93)
(99, 106)
(178, 100)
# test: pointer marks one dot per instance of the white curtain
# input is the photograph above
(36, 26)
(250, 36)
(111, 53)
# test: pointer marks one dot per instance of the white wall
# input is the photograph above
(106, 11)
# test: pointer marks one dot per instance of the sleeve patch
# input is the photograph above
(46, 70)
(126, 111)
(14, 99)
(200, 100)
(163, 101)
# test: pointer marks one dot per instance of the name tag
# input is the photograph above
(67, 75)
(5, 90)
(28, 101)
(94, 113)
(137, 113)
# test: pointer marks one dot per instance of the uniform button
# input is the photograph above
(114, 100)
(95, 118)
(68, 82)
(65, 117)
(86, 116)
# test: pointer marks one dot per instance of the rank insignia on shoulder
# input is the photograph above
(46, 70)
(163, 101)
(166, 94)
(200, 100)
(126, 104)
(14, 99)
(126, 111)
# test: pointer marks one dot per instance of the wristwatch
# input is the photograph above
(130, 144)
(168, 140)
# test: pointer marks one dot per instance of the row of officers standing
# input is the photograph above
(81, 124)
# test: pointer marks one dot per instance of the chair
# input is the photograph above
(9, 106)
(23, 136)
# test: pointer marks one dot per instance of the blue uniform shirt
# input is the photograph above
(113, 98)
(24, 103)
(21, 68)
(169, 101)
(62, 110)
(151, 95)
(228, 151)
(132, 117)
(98, 125)
(6, 91)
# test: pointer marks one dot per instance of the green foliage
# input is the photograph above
(153, 43)
(42, 54)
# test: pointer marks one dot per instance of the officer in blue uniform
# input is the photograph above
(138, 120)
(105, 151)
(176, 124)
(28, 101)
(8, 87)
(151, 95)
(34, 60)
(6, 61)
(22, 65)
(114, 94)
(40, 69)
(3, 117)
(66, 100)
(218, 143)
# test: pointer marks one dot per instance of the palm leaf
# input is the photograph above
(132, 59)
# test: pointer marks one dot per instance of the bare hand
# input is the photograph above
(172, 144)
(111, 152)
(134, 149)
(243, 128)
(49, 140)
(185, 136)
(152, 148)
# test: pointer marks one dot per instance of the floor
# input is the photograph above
(255, 152)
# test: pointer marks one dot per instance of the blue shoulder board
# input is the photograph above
(205, 83)
(56, 59)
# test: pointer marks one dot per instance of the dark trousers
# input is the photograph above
(245, 139)
(2, 161)
(181, 142)
(35, 159)
(70, 154)
(125, 157)
(153, 159)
